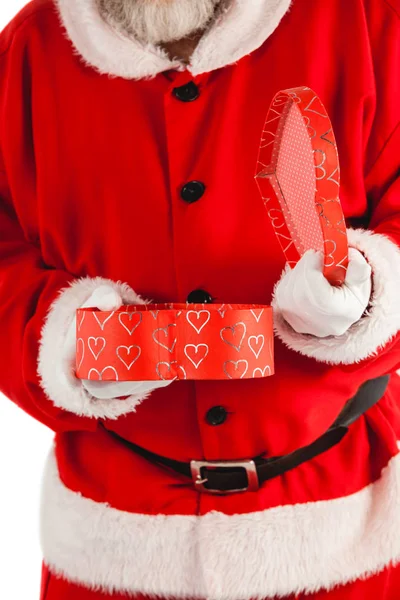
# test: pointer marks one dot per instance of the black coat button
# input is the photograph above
(216, 415)
(192, 191)
(199, 297)
(187, 93)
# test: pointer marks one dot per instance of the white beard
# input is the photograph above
(158, 21)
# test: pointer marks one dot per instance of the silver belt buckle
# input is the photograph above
(199, 480)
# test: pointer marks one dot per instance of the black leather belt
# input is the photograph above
(228, 477)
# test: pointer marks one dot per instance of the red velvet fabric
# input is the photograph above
(90, 174)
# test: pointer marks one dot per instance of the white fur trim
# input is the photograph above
(280, 551)
(240, 30)
(382, 322)
(58, 381)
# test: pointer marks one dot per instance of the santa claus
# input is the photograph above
(129, 137)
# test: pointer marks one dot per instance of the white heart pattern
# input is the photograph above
(168, 367)
(102, 323)
(128, 351)
(77, 352)
(166, 333)
(196, 351)
(232, 330)
(284, 239)
(262, 372)
(277, 218)
(319, 112)
(229, 372)
(101, 373)
(256, 344)
(92, 341)
(257, 318)
(123, 316)
(319, 167)
(329, 256)
(223, 309)
(204, 314)
(81, 321)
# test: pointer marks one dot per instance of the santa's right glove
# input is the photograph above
(56, 365)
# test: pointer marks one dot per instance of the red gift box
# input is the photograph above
(298, 175)
(175, 341)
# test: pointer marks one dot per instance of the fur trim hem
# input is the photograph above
(374, 330)
(240, 30)
(282, 551)
(56, 378)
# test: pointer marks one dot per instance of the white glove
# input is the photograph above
(107, 298)
(311, 305)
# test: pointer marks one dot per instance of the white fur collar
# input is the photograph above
(239, 31)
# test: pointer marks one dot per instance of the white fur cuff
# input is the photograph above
(55, 373)
(379, 325)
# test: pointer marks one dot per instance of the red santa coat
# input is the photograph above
(95, 149)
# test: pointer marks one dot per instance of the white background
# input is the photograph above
(24, 445)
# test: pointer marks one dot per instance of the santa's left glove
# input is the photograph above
(311, 305)
(56, 364)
